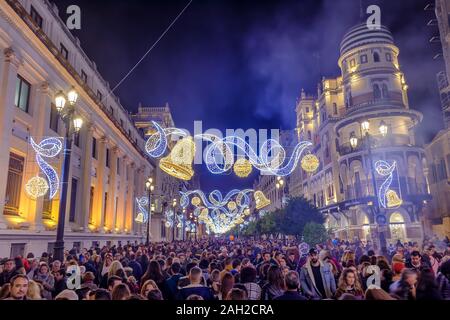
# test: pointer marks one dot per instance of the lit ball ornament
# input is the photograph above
(196, 201)
(242, 168)
(232, 205)
(36, 187)
(310, 163)
(167, 224)
(247, 212)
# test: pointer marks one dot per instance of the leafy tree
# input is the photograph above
(314, 233)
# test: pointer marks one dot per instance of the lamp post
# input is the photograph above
(174, 204)
(184, 223)
(280, 185)
(73, 125)
(150, 187)
(383, 129)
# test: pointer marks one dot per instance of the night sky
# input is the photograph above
(242, 63)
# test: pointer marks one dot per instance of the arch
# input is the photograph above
(376, 91)
(376, 57)
(385, 91)
(397, 226)
(365, 226)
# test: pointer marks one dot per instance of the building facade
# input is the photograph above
(371, 90)
(108, 165)
(438, 150)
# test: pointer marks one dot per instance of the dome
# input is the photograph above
(361, 35)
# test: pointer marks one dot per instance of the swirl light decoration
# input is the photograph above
(219, 156)
(387, 197)
(47, 148)
(219, 213)
(142, 204)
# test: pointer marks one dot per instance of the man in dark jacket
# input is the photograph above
(171, 285)
(9, 271)
(292, 281)
(195, 277)
(136, 266)
(60, 282)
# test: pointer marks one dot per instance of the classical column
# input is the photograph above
(84, 217)
(7, 95)
(121, 210)
(42, 114)
(100, 187)
(111, 214)
(129, 220)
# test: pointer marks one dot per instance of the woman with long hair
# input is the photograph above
(154, 273)
(5, 291)
(34, 290)
(147, 287)
(275, 284)
(349, 283)
(227, 284)
(427, 287)
(47, 280)
(120, 292)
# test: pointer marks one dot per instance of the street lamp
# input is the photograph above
(184, 223)
(150, 187)
(174, 225)
(72, 125)
(365, 126)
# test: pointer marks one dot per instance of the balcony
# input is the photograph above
(442, 80)
(392, 140)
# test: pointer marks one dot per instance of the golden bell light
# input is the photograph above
(179, 162)
(139, 218)
(261, 200)
(393, 200)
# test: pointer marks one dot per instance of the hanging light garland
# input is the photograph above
(387, 197)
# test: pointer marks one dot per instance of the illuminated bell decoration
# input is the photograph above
(167, 224)
(247, 212)
(310, 163)
(393, 200)
(139, 218)
(242, 168)
(179, 162)
(232, 205)
(36, 187)
(196, 201)
(261, 200)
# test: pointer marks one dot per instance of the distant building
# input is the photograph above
(371, 88)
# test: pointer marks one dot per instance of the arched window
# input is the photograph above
(366, 228)
(335, 110)
(309, 135)
(376, 92)
(397, 227)
(385, 91)
(376, 57)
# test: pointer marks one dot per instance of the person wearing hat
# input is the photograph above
(316, 278)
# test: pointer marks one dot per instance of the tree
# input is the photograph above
(314, 233)
(297, 213)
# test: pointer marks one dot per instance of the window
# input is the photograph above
(442, 170)
(327, 152)
(384, 91)
(76, 138)
(14, 184)
(64, 51)
(388, 57)
(335, 110)
(352, 63)
(107, 157)
(111, 110)
(118, 166)
(309, 135)
(73, 200)
(376, 92)
(36, 17)
(307, 109)
(121, 123)
(129, 132)
(99, 95)
(22, 93)
(94, 148)
(17, 249)
(54, 118)
(83, 76)
(376, 57)
(363, 58)
(105, 207)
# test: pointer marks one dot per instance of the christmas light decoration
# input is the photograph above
(48, 148)
(261, 200)
(196, 201)
(179, 162)
(387, 197)
(36, 187)
(142, 204)
(242, 168)
(310, 163)
(219, 156)
(231, 205)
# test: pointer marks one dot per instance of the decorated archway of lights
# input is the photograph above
(220, 158)
(222, 213)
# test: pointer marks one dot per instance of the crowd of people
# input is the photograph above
(244, 269)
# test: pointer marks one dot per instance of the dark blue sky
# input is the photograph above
(242, 63)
